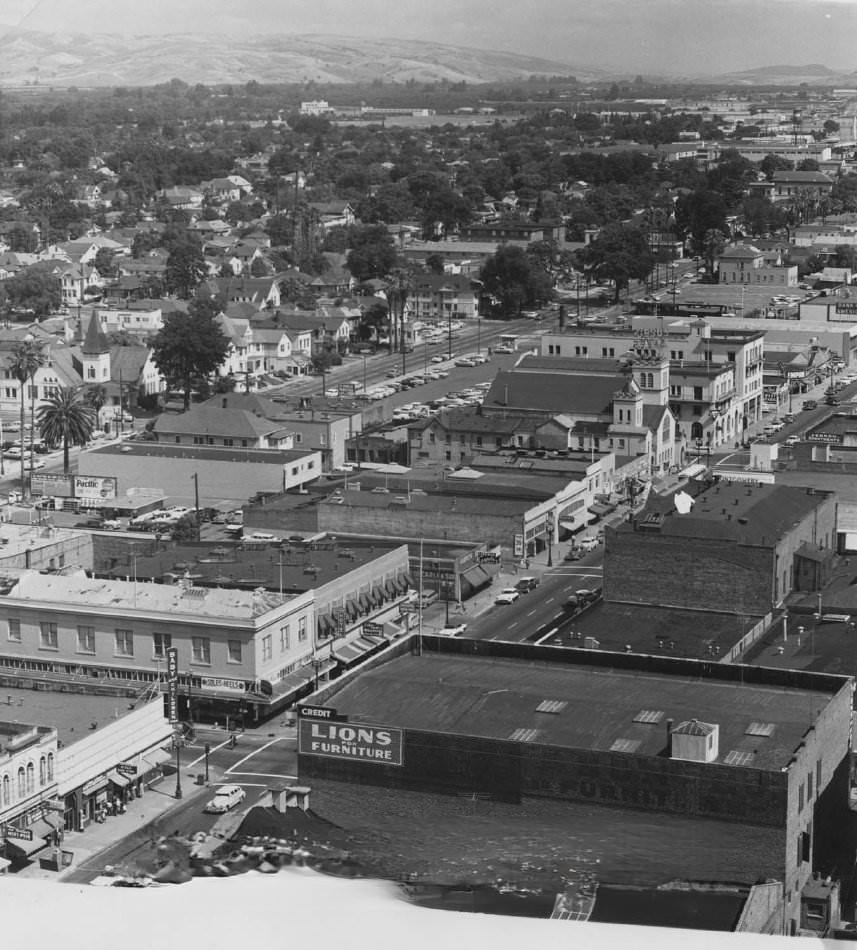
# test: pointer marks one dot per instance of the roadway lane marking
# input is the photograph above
(531, 612)
(213, 749)
(244, 784)
(548, 600)
(260, 775)
(250, 756)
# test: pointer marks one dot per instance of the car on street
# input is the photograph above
(452, 629)
(793, 440)
(227, 797)
(589, 544)
(508, 595)
(465, 361)
(391, 373)
(503, 348)
(809, 404)
(574, 554)
(437, 358)
(832, 401)
(526, 584)
(260, 536)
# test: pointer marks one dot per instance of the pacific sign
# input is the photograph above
(339, 740)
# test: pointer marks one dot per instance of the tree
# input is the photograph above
(32, 289)
(66, 419)
(620, 254)
(185, 269)
(27, 357)
(372, 253)
(515, 280)
(104, 262)
(95, 396)
(189, 346)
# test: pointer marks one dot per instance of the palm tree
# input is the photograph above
(27, 357)
(95, 396)
(66, 419)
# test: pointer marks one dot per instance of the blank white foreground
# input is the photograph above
(256, 910)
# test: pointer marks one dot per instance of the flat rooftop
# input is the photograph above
(71, 714)
(496, 696)
(81, 591)
(695, 634)
(200, 453)
(260, 564)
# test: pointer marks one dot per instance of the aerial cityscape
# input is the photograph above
(430, 469)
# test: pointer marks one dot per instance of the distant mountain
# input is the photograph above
(813, 74)
(91, 59)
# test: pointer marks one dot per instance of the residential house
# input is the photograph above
(745, 264)
(789, 185)
(183, 197)
(440, 297)
(334, 214)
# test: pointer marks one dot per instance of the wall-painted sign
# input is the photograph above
(519, 545)
(378, 744)
(50, 483)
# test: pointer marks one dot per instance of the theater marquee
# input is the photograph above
(350, 740)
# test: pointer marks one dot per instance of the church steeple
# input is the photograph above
(95, 353)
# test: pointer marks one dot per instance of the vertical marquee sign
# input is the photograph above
(173, 684)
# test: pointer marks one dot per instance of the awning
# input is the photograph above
(42, 828)
(18, 848)
(365, 606)
(123, 781)
(4, 863)
(325, 627)
(350, 652)
(390, 588)
(476, 577)
(409, 580)
(156, 757)
(351, 609)
(95, 785)
(376, 595)
(401, 584)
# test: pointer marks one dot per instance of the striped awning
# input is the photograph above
(348, 653)
(363, 601)
(376, 595)
(351, 609)
(325, 627)
(409, 580)
(390, 588)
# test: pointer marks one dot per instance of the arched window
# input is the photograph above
(42, 771)
(22, 788)
(6, 790)
(50, 766)
(31, 777)
(696, 430)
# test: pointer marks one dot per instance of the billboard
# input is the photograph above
(51, 483)
(94, 486)
(340, 740)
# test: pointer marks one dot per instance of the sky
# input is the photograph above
(685, 37)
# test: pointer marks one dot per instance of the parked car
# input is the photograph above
(526, 584)
(809, 404)
(503, 348)
(574, 554)
(792, 440)
(452, 629)
(508, 595)
(465, 361)
(437, 358)
(589, 544)
(428, 598)
(260, 536)
(227, 797)
(832, 401)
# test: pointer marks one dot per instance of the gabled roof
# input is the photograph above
(552, 393)
(209, 419)
(807, 178)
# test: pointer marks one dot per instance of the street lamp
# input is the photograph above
(207, 751)
(550, 543)
(177, 743)
(673, 270)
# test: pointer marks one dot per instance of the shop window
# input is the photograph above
(201, 649)
(124, 643)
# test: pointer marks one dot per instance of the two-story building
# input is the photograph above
(745, 264)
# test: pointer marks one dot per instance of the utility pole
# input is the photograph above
(195, 478)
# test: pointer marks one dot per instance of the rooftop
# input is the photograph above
(735, 511)
(77, 589)
(200, 452)
(73, 715)
(593, 705)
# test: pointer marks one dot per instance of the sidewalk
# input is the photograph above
(86, 845)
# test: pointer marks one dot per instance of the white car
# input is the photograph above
(260, 536)
(228, 796)
(508, 595)
(437, 358)
(465, 361)
(502, 348)
(588, 544)
(453, 629)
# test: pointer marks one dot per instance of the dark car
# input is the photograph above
(832, 401)
(526, 584)
(574, 554)
(810, 404)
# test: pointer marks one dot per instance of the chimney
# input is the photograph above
(292, 796)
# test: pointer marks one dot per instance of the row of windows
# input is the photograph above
(285, 639)
(124, 642)
(25, 783)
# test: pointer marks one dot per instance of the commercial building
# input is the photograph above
(741, 769)
(736, 547)
(745, 264)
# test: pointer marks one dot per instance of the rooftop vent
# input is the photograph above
(759, 729)
(738, 758)
(524, 735)
(651, 716)
(625, 745)
(551, 706)
(695, 741)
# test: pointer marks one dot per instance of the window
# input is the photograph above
(818, 775)
(86, 639)
(124, 643)
(228, 443)
(6, 791)
(267, 647)
(50, 766)
(200, 650)
(48, 636)
(22, 788)
(42, 771)
(233, 651)
(302, 629)
(285, 638)
(15, 631)
(800, 797)
(809, 786)
(161, 642)
(31, 777)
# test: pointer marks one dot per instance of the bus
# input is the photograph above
(508, 342)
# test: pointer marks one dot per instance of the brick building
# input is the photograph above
(742, 771)
(741, 548)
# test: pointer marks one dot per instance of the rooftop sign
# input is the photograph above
(378, 744)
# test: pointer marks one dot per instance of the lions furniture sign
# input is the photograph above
(350, 740)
